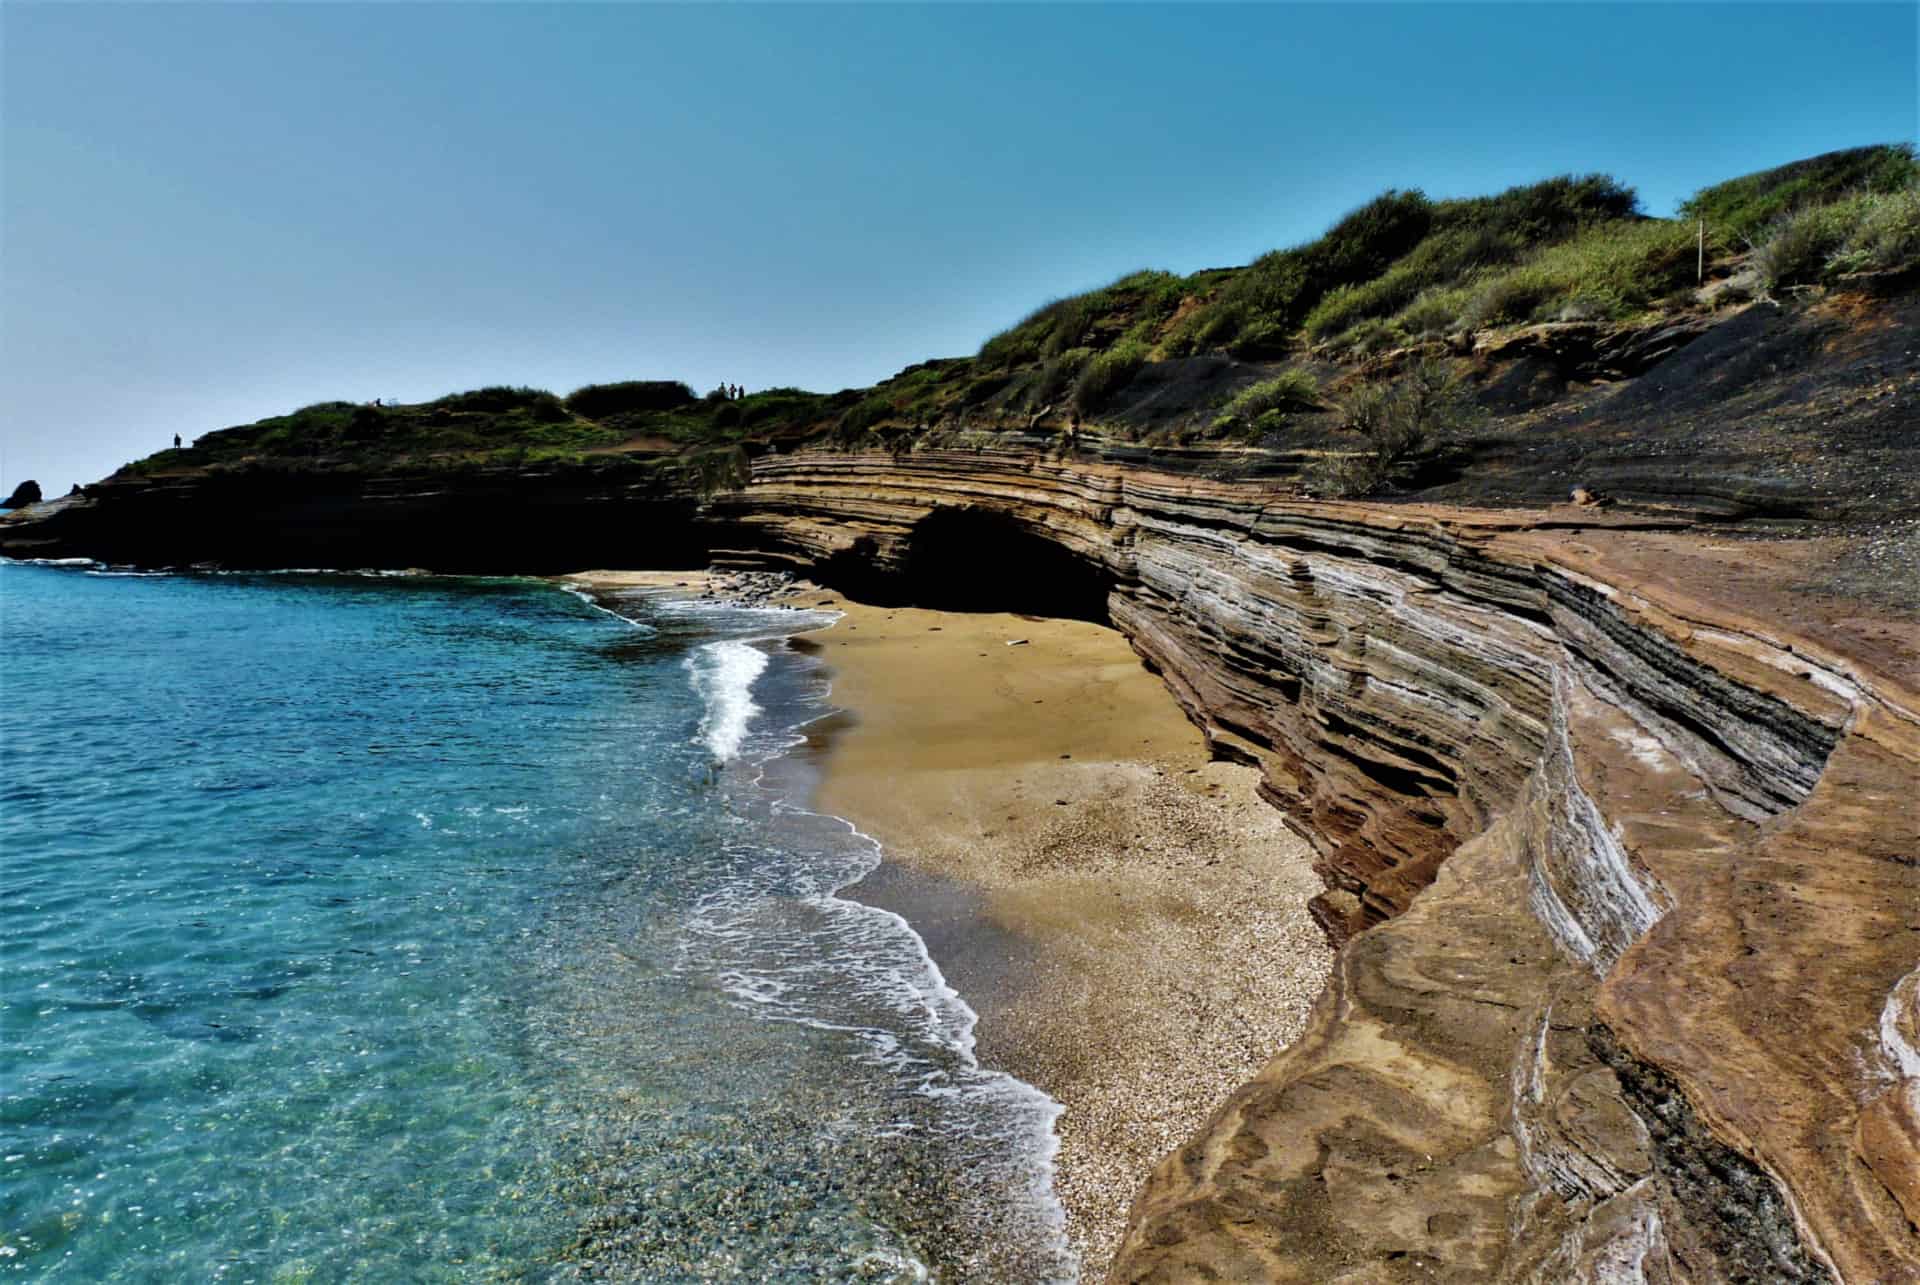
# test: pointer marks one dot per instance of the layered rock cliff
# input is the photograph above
(1627, 867)
(1617, 821)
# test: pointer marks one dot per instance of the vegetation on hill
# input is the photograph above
(504, 425)
(1867, 232)
(1398, 249)
(1743, 211)
(1856, 210)
(1340, 334)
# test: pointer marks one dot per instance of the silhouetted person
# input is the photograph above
(176, 441)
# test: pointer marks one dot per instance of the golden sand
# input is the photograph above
(1148, 946)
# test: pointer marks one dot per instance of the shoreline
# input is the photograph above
(1124, 915)
(1131, 922)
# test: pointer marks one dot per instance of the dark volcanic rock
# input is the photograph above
(28, 492)
(504, 520)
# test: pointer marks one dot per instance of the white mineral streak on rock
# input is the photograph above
(1616, 1245)
(1824, 674)
(1528, 1086)
(1619, 1230)
(1900, 1033)
(1584, 888)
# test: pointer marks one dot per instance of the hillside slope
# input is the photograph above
(1491, 350)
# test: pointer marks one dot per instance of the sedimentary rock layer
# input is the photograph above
(1626, 868)
(1622, 837)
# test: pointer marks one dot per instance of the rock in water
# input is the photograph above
(28, 492)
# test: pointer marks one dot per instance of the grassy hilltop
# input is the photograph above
(1365, 339)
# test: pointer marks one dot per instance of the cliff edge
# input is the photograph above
(1580, 639)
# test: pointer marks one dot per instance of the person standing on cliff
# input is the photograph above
(176, 441)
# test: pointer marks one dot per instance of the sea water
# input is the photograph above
(410, 929)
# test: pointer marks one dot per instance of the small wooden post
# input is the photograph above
(1700, 270)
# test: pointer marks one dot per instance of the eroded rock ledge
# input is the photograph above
(1627, 867)
(1622, 837)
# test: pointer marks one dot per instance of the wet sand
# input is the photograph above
(1127, 918)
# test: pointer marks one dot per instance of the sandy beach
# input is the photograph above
(1125, 915)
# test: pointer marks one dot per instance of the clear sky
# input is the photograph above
(214, 213)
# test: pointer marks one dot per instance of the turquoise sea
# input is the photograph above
(376, 928)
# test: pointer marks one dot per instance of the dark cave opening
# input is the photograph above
(974, 560)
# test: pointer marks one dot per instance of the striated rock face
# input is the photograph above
(1628, 870)
(1619, 828)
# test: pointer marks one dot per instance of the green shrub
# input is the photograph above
(1863, 233)
(1208, 326)
(1797, 247)
(1414, 418)
(861, 418)
(1056, 377)
(1534, 214)
(1255, 311)
(1105, 374)
(1744, 210)
(1436, 311)
(1262, 339)
(596, 401)
(1351, 304)
(1468, 237)
(781, 405)
(1611, 270)
(1365, 243)
(1885, 234)
(500, 399)
(1154, 295)
(1289, 390)
(1375, 335)
(1515, 297)
(979, 391)
(365, 424)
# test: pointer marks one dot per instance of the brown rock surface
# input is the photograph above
(1621, 825)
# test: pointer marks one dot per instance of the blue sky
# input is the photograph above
(214, 213)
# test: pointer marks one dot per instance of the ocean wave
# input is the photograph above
(54, 562)
(587, 597)
(741, 622)
(723, 674)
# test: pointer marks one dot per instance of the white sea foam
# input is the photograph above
(780, 941)
(723, 674)
(829, 963)
(588, 598)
